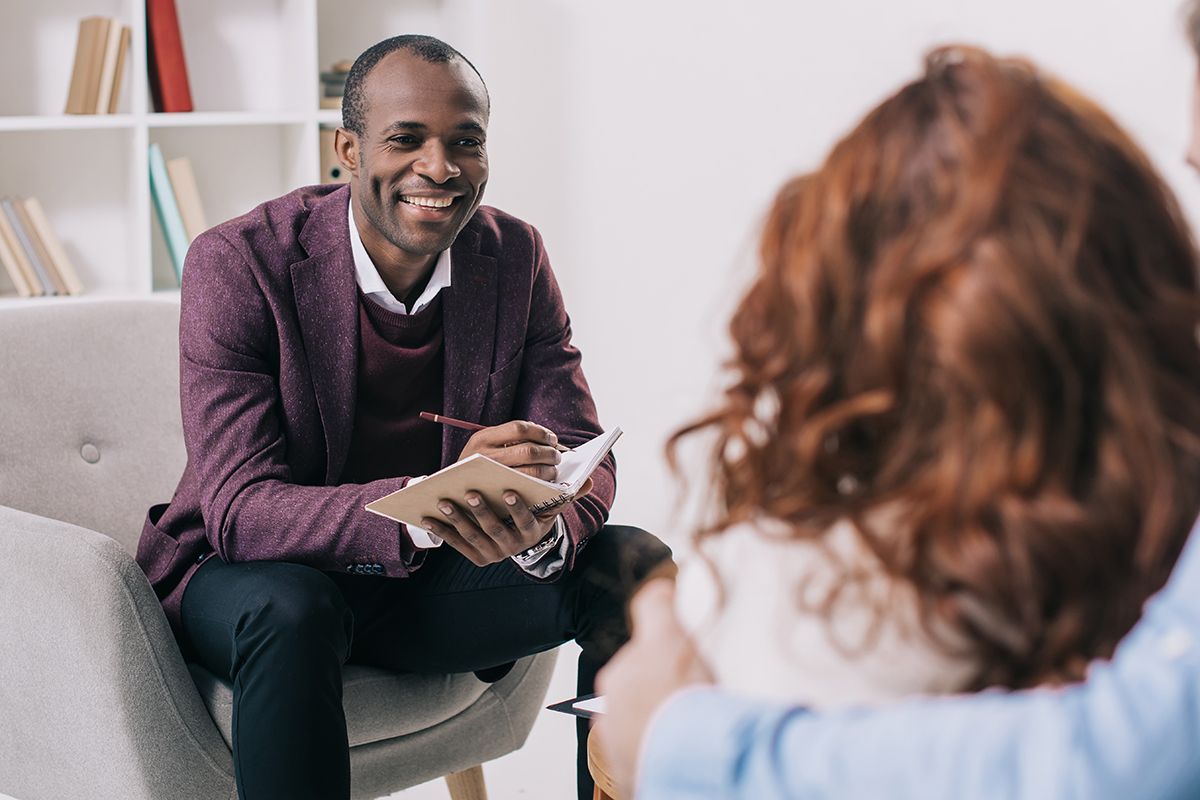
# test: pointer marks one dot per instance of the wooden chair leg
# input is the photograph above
(467, 784)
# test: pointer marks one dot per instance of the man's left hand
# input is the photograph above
(477, 531)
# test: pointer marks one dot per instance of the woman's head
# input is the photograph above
(981, 314)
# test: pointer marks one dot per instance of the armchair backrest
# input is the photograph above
(90, 429)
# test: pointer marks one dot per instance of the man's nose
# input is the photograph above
(435, 163)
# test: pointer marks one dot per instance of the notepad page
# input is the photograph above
(577, 464)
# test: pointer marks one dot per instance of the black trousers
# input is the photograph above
(280, 633)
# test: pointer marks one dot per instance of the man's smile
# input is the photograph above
(427, 202)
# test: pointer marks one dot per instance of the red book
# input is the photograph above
(168, 71)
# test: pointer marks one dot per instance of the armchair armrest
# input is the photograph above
(95, 699)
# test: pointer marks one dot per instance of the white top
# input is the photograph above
(770, 639)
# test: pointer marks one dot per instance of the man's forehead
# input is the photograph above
(405, 87)
(408, 72)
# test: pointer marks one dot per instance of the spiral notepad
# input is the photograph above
(491, 479)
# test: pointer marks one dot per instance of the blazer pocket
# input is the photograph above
(502, 384)
(155, 550)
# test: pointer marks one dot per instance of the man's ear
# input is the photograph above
(345, 144)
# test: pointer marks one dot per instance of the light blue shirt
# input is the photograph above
(1131, 731)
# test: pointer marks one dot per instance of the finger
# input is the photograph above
(520, 454)
(453, 539)
(502, 537)
(540, 471)
(467, 531)
(652, 609)
(532, 432)
(516, 432)
(531, 528)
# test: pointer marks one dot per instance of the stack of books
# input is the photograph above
(32, 256)
(333, 84)
(100, 54)
(177, 202)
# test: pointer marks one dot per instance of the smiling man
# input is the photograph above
(314, 330)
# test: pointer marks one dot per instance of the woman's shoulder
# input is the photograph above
(815, 620)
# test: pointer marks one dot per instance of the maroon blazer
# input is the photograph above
(268, 341)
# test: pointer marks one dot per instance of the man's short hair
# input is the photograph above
(427, 48)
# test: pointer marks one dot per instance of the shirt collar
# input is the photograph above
(371, 282)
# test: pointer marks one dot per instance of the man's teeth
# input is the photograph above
(428, 202)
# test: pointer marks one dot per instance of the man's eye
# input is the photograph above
(469, 142)
(403, 141)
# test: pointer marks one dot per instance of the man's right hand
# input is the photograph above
(522, 445)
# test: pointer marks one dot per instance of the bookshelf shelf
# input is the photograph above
(67, 122)
(253, 67)
(211, 119)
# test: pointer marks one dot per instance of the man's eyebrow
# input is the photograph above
(407, 125)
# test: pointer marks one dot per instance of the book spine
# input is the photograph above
(96, 64)
(168, 209)
(187, 195)
(38, 247)
(168, 68)
(108, 67)
(119, 73)
(85, 44)
(13, 268)
(53, 246)
(26, 245)
(14, 246)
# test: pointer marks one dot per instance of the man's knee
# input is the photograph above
(299, 609)
(627, 554)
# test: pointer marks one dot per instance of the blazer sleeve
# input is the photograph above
(553, 391)
(253, 505)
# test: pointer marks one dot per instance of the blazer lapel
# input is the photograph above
(327, 309)
(469, 321)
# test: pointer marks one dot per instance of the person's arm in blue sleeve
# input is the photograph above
(1131, 730)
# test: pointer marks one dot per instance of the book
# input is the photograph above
(37, 216)
(25, 243)
(332, 170)
(187, 196)
(119, 72)
(9, 235)
(165, 62)
(108, 68)
(167, 209)
(89, 59)
(38, 252)
(15, 273)
(419, 499)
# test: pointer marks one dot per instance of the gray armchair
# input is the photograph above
(95, 699)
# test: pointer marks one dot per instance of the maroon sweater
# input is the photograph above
(400, 360)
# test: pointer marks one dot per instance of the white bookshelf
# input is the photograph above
(253, 68)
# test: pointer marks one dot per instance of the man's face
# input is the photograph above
(421, 162)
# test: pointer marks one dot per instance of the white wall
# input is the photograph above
(645, 138)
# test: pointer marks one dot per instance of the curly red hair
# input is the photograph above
(980, 313)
